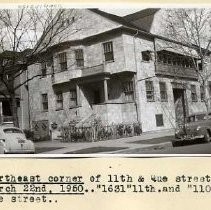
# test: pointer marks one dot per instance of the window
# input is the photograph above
(12, 130)
(73, 98)
(108, 51)
(146, 55)
(202, 93)
(128, 89)
(200, 65)
(63, 61)
(165, 58)
(159, 120)
(79, 57)
(163, 91)
(45, 102)
(59, 101)
(149, 91)
(43, 69)
(160, 57)
(193, 93)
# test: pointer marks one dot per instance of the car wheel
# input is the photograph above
(207, 136)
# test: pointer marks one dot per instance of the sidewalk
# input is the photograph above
(57, 147)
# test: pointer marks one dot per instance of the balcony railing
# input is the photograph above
(93, 70)
(175, 71)
(65, 76)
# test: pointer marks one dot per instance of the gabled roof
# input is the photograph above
(115, 18)
(140, 14)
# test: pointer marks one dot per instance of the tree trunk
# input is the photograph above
(14, 110)
(207, 98)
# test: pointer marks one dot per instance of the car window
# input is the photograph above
(12, 130)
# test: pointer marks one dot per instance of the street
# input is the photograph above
(152, 144)
(204, 148)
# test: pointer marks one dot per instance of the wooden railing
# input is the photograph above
(175, 71)
(93, 70)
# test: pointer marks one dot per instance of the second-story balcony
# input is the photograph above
(175, 71)
(65, 76)
(175, 65)
(93, 70)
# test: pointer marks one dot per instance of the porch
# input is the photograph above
(107, 97)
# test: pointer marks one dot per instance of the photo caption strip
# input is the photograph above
(118, 182)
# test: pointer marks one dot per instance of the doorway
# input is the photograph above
(179, 104)
(97, 98)
(6, 110)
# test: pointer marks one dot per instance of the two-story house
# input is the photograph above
(114, 68)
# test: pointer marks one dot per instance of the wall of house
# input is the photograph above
(93, 55)
(146, 70)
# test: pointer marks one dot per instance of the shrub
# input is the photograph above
(29, 134)
(120, 129)
(137, 129)
(128, 129)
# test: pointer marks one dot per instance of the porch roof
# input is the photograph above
(123, 74)
(91, 78)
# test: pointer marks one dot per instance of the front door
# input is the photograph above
(179, 103)
(97, 98)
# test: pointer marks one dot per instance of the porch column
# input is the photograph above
(78, 93)
(105, 90)
(1, 113)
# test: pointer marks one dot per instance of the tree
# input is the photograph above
(192, 29)
(26, 35)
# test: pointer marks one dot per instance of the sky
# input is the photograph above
(121, 12)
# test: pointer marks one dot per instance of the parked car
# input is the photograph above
(13, 140)
(197, 126)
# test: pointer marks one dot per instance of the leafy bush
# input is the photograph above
(120, 129)
(128, 129)
(137, 129)
(29, 134)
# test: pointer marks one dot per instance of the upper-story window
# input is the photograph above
(193, 93)
(79, 57)
(146, 55)
(108, 51)
(63, 61)
(149, 91)
(45, 102)
(59, 101)
(128, 89)
(174, 59)
(43, 69)
(163, 92)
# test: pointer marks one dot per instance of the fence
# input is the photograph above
(98, 133)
